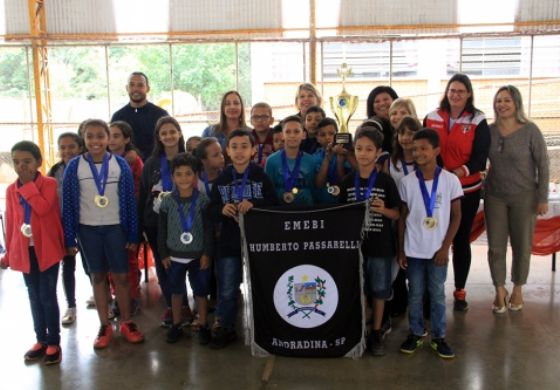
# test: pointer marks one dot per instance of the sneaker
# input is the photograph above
(460, 303)
(222, 337)
(53, 356)
(411, 344)
(35, 352)
(130, 332)
(167, 318)
(204, 335)
(69, 317)
(174, 334)
(377, 347)
(90, 303)
(386, 328)
(103, 337)
(443, 350)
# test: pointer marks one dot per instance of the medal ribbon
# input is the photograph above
(260, 154)
(290, 177)
(100, 177)
(26, 210)
(331, 173)
(204, 176)
(239, 188)
(166, 183)
(371, 183)
(429, 201)
(405, 167)
(186, 220)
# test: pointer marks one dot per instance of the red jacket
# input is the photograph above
(45, 222)
(463, 146)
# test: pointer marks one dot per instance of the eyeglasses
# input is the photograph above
(458, 92)
(501, 142)
(260, 117)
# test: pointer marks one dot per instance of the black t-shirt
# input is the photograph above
(379, 239)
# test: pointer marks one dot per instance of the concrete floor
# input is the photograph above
(514, 351)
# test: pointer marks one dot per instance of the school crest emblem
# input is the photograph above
(306, 296)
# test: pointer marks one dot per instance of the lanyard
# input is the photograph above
(290, 178)
(429, 200)
(100, 177)
(371, 183)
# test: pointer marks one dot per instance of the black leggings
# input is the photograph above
(461, 242)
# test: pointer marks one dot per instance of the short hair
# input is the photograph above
(262, 105)
(291, 118)
(371, 133)
(316, 109)
(140, 74)
(429, 135)
(185, 160)
(327, 122)
(75, 137)
(28, 146)
(373, 94)
(95, 122)
(241, 133)
(407, 103)
(277, 129)
(200, 152)
(517, 101)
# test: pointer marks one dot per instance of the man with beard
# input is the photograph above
(139, 113)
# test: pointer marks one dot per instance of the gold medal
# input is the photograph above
(26, 230)
(429, 223)
(295, 190)
(101, 201)
(333, 190)
(288, 197)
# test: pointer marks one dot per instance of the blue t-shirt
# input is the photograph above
(305, 181)
(321, 195)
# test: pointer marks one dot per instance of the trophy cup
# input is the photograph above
(343, 105)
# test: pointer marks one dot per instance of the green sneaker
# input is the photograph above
(411, 344)
(443, 350)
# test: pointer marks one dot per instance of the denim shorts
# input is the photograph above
(199, 279)
(377, 277)
(104, 248)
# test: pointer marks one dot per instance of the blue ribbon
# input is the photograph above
(429, 201)
(26, 210)
(239, 188)
(371, 183)
(331, 173)
(405, 167)
(165, 174)
(290, 178)
(204, 177)
(100, 177)
(260, 154)
(186, 220)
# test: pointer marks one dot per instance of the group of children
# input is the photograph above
(186, 201)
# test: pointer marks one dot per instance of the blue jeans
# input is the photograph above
(69, 279)
(41, 288)
(228, 275)
(419, 272)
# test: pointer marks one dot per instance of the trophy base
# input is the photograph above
(344, 139)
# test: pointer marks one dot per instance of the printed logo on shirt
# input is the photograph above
(305, 296)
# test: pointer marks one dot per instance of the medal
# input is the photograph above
(186, 238)
(288, 197)
(162, 195)
(100, 179)
(429, 223)
(295, 190)
(333, 190)
(26, 230)
(101, 201)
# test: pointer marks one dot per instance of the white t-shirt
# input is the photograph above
(420, 242)
(397, 175)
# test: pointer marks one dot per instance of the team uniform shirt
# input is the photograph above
(420, 242)
(305, 182)
(379, 240)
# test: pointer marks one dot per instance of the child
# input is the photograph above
(292, 171)
(313, 116)
(34, 246)
(185, 243)
(431, 213)
(241, 186)
(120, 144)
(156, 178)
(209, 152)
(329, 165)
(277, 138)
(262, 119)
(69, 146)
(192, 143)
(366, 183)
(401, 162)
(100, 210)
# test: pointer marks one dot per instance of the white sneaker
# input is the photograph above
(69, 317)
(90, 302)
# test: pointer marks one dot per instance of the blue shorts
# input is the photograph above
(199, 279)
(104, 248)
(377, 277)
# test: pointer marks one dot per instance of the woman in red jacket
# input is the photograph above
(35, 246)
(464, 144)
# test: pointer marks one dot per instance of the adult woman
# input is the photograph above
(516, 191)
(464, 142)
(378, 103)
(307, 96)
(232, 117)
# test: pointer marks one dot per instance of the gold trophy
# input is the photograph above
(343, 105)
